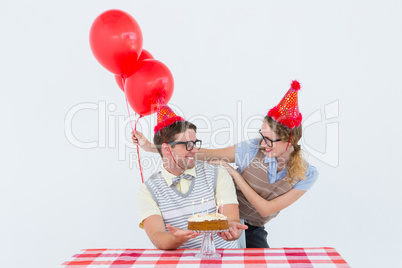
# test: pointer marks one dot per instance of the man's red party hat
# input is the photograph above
(287, 111)
(166, 117)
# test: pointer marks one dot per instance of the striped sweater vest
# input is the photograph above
(256, 176)
(177, 207)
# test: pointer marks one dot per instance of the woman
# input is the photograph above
(272, 172)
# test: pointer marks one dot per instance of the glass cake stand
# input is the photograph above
(208, 247)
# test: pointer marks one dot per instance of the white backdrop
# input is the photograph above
(230, 59)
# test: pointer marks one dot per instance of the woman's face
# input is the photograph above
(278, 146)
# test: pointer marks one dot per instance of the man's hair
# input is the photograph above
(170, 132)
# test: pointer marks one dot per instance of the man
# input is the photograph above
(169, 197)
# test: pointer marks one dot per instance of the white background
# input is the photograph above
(56, 198)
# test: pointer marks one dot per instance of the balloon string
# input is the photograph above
(138, 151)
(128, 110)
(288, 143)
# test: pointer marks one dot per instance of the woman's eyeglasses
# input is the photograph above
(268, 141)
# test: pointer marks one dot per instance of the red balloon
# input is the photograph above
(116, 41)
(145, 55)
(119, 81)
(152, 82)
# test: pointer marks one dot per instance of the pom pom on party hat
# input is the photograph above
(287, 111)
(165, 117)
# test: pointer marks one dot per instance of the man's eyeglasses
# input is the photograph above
(268, 141)
(189, 144)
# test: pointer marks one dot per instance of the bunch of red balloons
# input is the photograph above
(116, 42)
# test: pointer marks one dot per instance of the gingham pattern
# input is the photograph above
(269, 257)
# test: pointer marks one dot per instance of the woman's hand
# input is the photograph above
(140, 140)
(233, 172)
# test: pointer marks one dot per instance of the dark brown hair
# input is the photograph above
(170, 133)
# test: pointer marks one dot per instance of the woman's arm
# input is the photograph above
(225, 154)
(140, 140)
(264, 207)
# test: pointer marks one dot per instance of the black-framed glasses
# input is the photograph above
(189, 144)
(268, 141)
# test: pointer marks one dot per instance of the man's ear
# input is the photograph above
(165, 149)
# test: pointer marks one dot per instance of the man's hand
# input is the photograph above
(180, 234)
(235, 229)
(174, 238)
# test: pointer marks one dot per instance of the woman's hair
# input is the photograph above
(296, 166)
(170, 132)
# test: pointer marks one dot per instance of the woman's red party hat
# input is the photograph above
(287, 111)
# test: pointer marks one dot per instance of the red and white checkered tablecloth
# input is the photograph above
(324, 257)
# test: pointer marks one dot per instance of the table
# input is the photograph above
(324, 257)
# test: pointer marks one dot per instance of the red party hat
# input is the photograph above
(166, 117)
(287, 111)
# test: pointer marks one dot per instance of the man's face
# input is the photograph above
(183, 157)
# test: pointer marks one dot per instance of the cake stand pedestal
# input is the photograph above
(208, 247)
